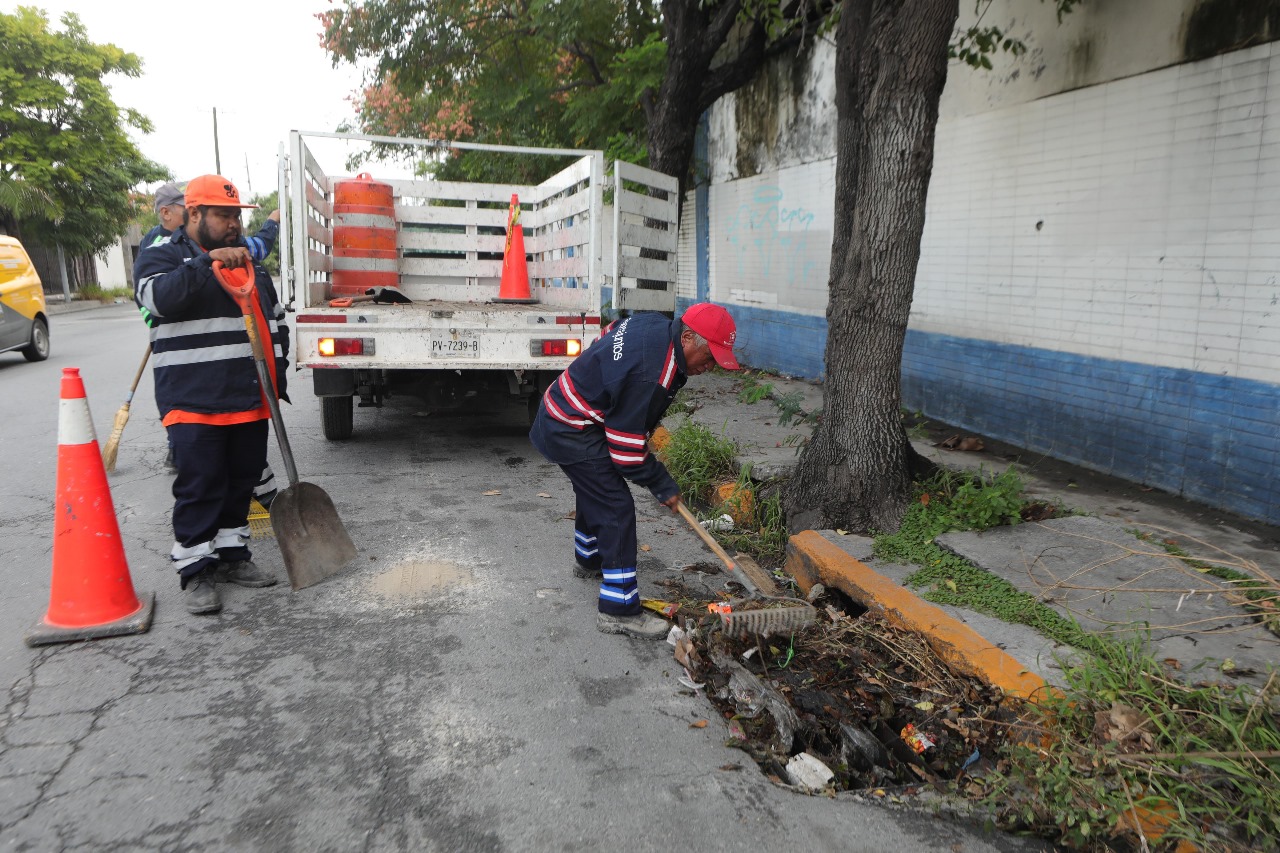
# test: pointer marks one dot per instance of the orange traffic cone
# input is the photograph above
(514, 286)
(92, 594)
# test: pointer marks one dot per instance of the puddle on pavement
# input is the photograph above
(417, 579)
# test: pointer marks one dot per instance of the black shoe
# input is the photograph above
(243, 573)
(170, 467)
(201, 595)
(581, 571)
(267, 498)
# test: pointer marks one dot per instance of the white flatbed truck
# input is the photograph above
(587, 260)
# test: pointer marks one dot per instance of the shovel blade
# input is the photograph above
(312, 540)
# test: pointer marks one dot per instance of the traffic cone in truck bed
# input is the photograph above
(515, 272)
(92, 594)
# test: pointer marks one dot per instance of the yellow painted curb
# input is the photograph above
(812, 559)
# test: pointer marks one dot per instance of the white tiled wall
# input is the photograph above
(770, 242)
(1136, 220)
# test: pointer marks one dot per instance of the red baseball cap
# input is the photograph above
(214, 191)
(714, 324)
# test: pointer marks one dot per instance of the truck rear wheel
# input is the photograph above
(337, 417)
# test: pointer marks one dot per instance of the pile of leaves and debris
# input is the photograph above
(847, 704)
(1122, 758)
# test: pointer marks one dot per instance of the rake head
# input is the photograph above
(786, 617)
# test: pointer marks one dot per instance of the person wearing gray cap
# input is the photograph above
(170, 208)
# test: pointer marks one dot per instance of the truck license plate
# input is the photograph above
(458, 345)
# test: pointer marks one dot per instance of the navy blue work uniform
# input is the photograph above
(594, 422)
(209, 396)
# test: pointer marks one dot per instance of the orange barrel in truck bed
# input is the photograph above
(364, 236)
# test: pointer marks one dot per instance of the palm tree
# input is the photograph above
(21, 200)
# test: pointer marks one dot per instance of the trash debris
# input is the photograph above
(815, 592)
(491, 492)
(720, 607)
(718, 525)
(917, 740)
(667, 609)
(955, 442)
(805, 771)
(860, 749)
(687, 681)
(698, 724)
(971, 760)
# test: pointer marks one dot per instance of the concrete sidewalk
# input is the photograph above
(1091, 566)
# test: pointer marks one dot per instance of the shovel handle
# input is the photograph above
(348, 301)
(239, 283)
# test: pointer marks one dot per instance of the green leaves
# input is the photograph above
(551, 73)
(65, 153)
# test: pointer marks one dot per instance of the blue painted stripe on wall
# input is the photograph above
(1210, 438)
(792, 344)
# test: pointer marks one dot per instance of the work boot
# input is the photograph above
(170, 467)
(642, 626)
(587, 574)
(201, 594)
(244, 573)
(266, 499)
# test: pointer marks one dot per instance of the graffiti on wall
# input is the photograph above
(770, 241)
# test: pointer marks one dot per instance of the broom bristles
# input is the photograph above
(112, 448)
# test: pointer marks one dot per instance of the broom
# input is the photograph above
(112, 448)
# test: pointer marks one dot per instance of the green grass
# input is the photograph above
(93, 291)
(1123, 736)
(753, 390)
(763, 534)
(699, 460)
(971, 501)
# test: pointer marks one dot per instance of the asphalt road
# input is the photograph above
(449, 692)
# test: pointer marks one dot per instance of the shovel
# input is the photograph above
(312, 539)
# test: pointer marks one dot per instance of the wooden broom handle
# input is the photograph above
(705, 536)
(137, 377)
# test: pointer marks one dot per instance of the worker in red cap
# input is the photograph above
(207, 388)
(594, 422)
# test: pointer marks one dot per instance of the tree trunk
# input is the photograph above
(891, 65)
(674, 111)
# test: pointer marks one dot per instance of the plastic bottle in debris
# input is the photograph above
(719, 525)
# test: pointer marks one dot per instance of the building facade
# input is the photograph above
(1098, 275)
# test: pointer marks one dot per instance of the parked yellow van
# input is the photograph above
(24, 319)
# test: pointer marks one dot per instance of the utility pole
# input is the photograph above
(248, 181)
(217, 157)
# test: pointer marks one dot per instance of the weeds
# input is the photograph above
(1262, 595)
(965, 501)
(753, 390)
(1125, 752)
(699, 461)
(93, 291)
(764, 533)
(916, 426)
(791, 407)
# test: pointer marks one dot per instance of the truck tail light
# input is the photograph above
(346, 346)
(558, 347)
